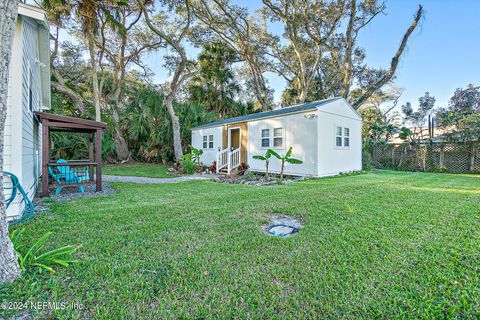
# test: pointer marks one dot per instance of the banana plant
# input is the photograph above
(196, 153)
(265, 158)
(286, 158)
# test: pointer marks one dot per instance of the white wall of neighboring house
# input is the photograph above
(209, 154)
(331, 158)
(28, 92)
(299, 132)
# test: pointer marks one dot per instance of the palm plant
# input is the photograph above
(286, 158)
(266, 158)
(31, 258)
(196, 153)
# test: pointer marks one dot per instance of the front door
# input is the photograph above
(234, 138)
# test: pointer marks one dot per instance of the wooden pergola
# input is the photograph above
(53, 122)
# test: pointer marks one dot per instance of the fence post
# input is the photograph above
(472, 157)
(442, 155)
(424, 157)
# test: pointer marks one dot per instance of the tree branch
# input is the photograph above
(393, 66)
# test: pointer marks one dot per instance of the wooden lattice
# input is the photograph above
(455, 158)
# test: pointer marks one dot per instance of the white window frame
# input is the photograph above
(282, 136)
(210, 141)
(342, 136)
(265, 138)
(205, 141)
(345, 137)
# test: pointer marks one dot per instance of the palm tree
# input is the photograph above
(214, 86)
(285, 158)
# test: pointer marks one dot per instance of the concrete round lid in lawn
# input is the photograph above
(283, 226)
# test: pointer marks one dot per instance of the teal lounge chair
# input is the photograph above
(65, 176)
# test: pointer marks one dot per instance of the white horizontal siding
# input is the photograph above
(22, 134)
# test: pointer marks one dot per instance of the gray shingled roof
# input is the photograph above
(266, 114)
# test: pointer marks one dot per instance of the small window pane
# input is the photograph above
(277, 142)
(346, 132)
(205, 144)
(277, 132)
(265, 133)
(346, 142)
(265, 143)
(339, 141)
(210, 141)
(339, 131)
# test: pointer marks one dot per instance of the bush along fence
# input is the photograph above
(433, 157)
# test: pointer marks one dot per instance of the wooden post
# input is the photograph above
(471, 166)
(45, 157)
(442, 155)
(91, 156)
(98, 159)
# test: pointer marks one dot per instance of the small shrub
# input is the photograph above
(440, 169)
(188, 164)
(243, 168)
(31, 258)
(249, 176)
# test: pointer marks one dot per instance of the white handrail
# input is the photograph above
(222, 159)
(234, 159)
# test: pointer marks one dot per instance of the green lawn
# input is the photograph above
(380, 245)
(150, 170)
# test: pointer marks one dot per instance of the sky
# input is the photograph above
(442, 54)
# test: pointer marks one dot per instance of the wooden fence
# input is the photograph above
(454, 158)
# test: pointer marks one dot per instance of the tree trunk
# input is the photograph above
(281, 170)
(121, 146)
(9, 268)
(177, 141)
(266, 170)
(96, 91)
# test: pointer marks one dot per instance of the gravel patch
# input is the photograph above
(72, 193)
(156, 180)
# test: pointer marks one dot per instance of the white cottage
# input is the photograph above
(326, 135)
(28, 91)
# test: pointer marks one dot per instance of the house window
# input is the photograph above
(278, 137)
(210, 141)
(346, 137)
(342, 137)
(205, 143)
(338, 137)
(265, 138)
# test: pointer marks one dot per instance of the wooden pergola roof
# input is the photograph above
(54, 122)
(66, 123)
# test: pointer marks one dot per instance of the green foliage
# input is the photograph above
(286, 158)
(440, 169)
(188, 165)
(33, 259)
(405, 133)
(196, 153)
(461, 119)
(214, 86)
(266, 158)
